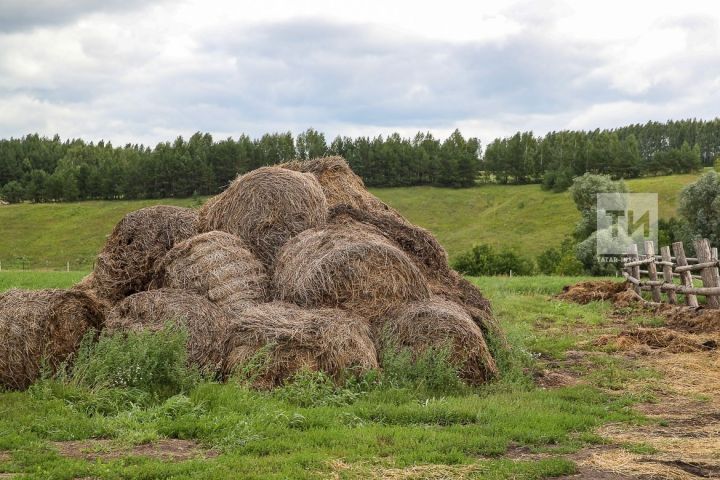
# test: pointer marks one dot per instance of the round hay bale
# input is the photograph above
(218, 265)
(265, 208)
(429, 256)
(41, 324)
(329, 340)
(341, 266)
(127, 261)
(88, 286)
(205, 322)
(340, 184)
(437, 323)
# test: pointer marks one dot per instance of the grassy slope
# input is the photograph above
(524, 218)
(385, 433)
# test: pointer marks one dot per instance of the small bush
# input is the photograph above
(560, 260)
(314, 389)
(151, 362)
(431, 371)
(484, 260)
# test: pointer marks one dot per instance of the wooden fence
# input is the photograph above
(703, 269)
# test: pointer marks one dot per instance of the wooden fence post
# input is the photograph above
(709, 275)
(634, 271)
(686, 276)
(667, 273)
(652, 270)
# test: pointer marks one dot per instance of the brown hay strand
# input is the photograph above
(265, 208)
(328, 340)
(435, 323)
(591, 291)
(429, 256)
(660, 338)
(341, 266)
(39, 324)
(690, 320)
(205, 322)
(340, 184)
(218, 265)
(126, 263)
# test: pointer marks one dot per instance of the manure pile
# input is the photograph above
(292, 266)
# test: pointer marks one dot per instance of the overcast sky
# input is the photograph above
(149, 70)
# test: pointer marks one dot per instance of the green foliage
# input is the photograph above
(314, 389)
(12, 192)
(560, 260)
(431, 370)
(148, 361)
(700, 207)
(484, 260)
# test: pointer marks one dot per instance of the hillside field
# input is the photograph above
(521, 217)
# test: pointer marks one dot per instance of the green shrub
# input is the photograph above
(484, 260)
(313, 389)
(432, 370)
(561, 260)
(151, 362)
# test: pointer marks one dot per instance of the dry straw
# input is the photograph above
(265, 208)
(341, 266)
(127, 261)
(218, 265)
(438, 323)
(206, 323)
(329, 340)
(340, 184)
(41, 325)
(428, 255)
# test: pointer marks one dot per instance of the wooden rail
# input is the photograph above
(661, 269)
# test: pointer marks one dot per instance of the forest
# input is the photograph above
(41, 169)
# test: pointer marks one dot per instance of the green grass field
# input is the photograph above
(524, 218)
(379, 432)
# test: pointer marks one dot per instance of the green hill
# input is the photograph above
(524, 218)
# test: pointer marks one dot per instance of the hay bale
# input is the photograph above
(592, 291)
(341, 266)
(88, 286)
(340, 184)
(218, 265)
(436, 323)
(127, 261)
(265, 208)
(328, 340)
(205, 322)
(41, 324)
(429, 256)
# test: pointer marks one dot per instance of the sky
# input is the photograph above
(144, 71)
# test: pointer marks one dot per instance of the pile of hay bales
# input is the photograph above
(296, 262)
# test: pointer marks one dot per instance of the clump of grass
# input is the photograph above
(153, 363)
(431, 371)
(316, 389)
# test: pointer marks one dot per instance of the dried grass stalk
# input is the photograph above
(341, 266)
(429, 256)
(592, 291)
(127, 261)
(218, 265)
(329, 340)
(41, 324)
(340, 184)
(265, 208)
(206, 324)
(437, 323)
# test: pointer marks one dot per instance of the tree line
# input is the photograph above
(652, 148)
(43, 169)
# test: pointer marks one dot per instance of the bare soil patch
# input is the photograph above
(168, 449)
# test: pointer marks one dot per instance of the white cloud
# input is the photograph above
(155, 70)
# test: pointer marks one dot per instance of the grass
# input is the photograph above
(523, 217)
(310, 429)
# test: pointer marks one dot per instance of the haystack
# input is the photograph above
(206, 323)
(592, 291)
(428, 255)
(41, 324)
(218, 265)
(438, 323)
(340, 184)
(127, 261)
(265, 208)
(328, 340)
(341, 266)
